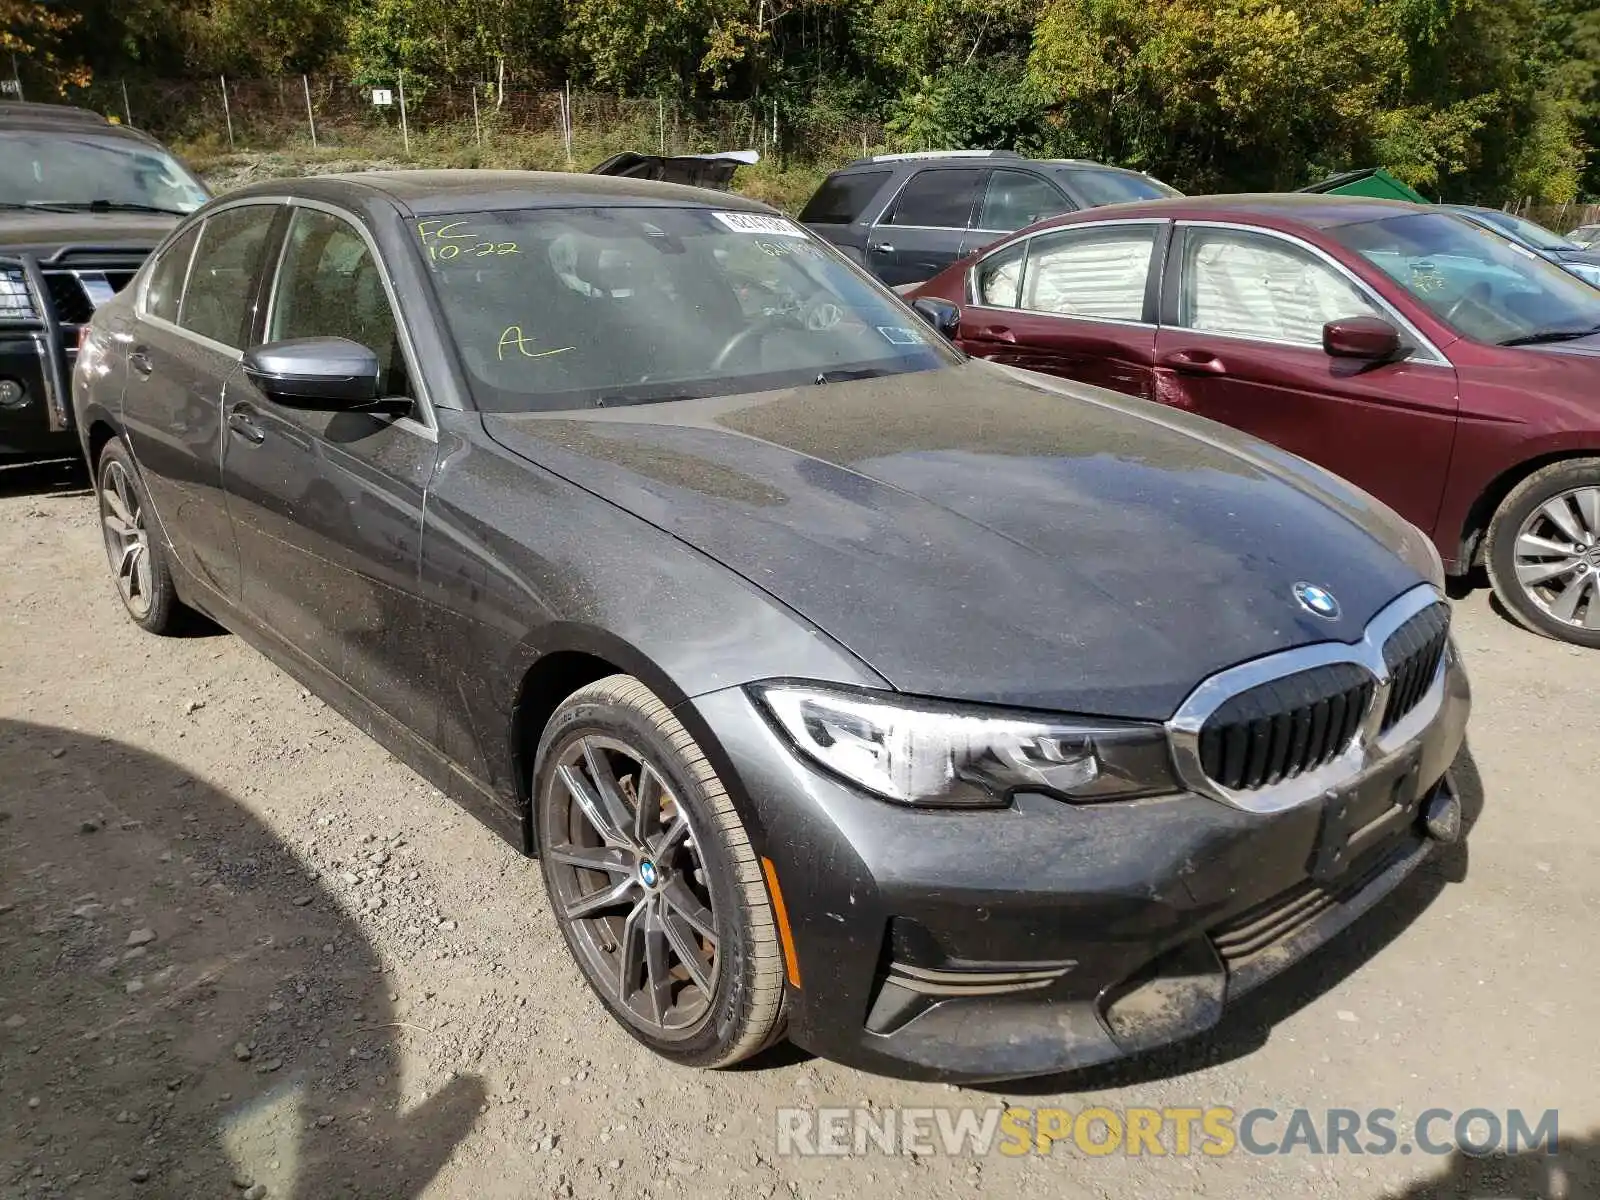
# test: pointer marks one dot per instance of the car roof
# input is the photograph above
(421, 193)
(1312, 210)
(971, 158)
(15, 113)
(65, 121)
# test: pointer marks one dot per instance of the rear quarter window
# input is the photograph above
(841, 198)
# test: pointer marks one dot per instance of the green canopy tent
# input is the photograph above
(1374, 182)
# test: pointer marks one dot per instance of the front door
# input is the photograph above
(187, 337)
(327, 506)
(921, 232)
(1241, 343)
(1074, 302)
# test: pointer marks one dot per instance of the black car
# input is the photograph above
(82, 202)
(906, 217)
(1530, 235)
(954, 720)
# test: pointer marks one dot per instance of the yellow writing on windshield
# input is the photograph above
(447, 240)
(514, 337)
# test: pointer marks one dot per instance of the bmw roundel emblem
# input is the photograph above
(648, 873)
(1316, 600)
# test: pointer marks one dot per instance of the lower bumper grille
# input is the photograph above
(1251, 944)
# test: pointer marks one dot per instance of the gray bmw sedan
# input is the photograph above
(950, 720)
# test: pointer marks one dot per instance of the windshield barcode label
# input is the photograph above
(741, 222)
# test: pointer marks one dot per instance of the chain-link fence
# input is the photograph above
(1560, 217)
(405, 114)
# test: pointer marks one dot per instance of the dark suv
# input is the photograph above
(82, 203)
(906, 217)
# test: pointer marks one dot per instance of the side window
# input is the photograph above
(841, 198)
(330, 286)
(1261, 287)
(1090, 272)
(995, 279)
(165, 290)
(222, 282)
(1014, 199)
(938, 199)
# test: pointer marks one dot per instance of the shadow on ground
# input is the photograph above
(55, 477)
(1572, 1172)
(182, 1010)
(1247, 1025)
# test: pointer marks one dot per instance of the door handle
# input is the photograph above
(240, 423)
(139, 360)
(881, 248)
(1199, 362)
(996, 333)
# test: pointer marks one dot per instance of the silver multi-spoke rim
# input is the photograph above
(127, 542)
(628, 876)
(1558, 557)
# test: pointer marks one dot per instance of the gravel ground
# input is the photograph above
(245, 952)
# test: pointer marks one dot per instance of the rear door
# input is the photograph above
(835, 211)
(921, 231)
(327, 506)
(1013, 200)
(1241, 343)
(1078, 302)
(192, 321)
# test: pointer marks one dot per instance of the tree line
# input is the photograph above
(1474, 100)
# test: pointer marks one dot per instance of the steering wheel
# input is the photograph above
(736, 344)
(1478, 294)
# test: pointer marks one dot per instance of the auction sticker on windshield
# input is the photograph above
(743, 222)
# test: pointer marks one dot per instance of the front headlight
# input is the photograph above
(923, 752)
(1587, 272)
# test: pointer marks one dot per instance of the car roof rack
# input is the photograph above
(917, 154)
(33, 110)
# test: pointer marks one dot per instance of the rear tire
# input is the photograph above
(652, 878)
(1543, 552)
(133, 547)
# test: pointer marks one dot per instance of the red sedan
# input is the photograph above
(1439, 367)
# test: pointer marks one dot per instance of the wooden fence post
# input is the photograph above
(311, 117)
(227, 113)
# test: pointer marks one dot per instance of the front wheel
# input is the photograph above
(653, 880)
(1544, 551)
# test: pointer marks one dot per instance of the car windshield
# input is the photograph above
(570, 308)
(70, 169)
(1115, 187)
(1534, 234)
(1483, 286)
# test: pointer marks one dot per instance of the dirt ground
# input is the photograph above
(245, 952)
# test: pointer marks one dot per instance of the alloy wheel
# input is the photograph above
(127, 540)
(1558, 557)
(631, 885)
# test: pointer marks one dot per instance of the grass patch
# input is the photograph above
(785, 185)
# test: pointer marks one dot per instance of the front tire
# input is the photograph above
(1543, 551)
(133, 550)
(652, 878)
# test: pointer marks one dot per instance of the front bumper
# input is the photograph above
(26, 428)
(1050, 936)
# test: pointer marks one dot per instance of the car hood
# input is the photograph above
(983, 533)
(48, 231)
(1587, 257)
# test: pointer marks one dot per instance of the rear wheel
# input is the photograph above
(653, 880)
(138, 566)
(1544, 551)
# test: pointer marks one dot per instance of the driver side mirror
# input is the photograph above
(328, 373)
(1367, 339)
(941, 314)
